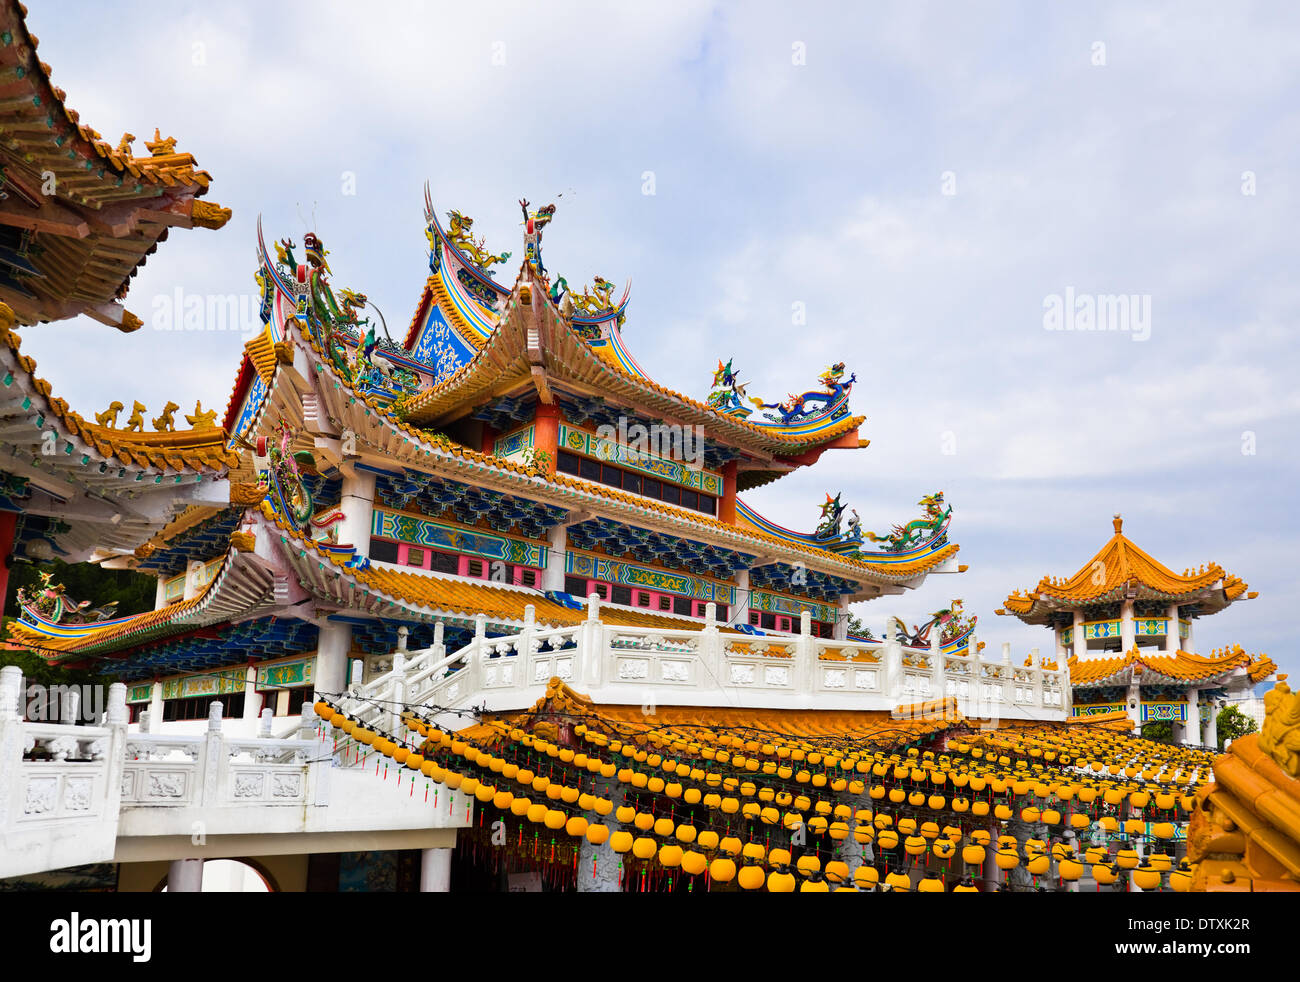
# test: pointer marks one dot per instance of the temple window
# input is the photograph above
(590, 469)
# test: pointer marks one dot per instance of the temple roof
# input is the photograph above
(241, 587)
(1109, 576)
(405, 444)
(148, 473)
(534, 338)
(1181, 667)
(79, 215)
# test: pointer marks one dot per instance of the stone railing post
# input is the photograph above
(524, 643)
(214, 759)
(439, 648)
(591, 644)
(393, 711)
(937, 675)
(892, 675)
(711, 646)
(264, 722)
(1036, 660)
(974, 689)
(116, 718)
(11, 693)
(1008, 676)
(805, 654)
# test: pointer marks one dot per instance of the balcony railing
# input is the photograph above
(636, 665)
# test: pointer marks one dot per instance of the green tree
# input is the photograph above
(1162, 731)
(1233, 723)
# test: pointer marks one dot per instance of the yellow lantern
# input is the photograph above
(973, 855)
(694, 863)
(722, 869)
(1070, 870)
(866, 877)
(779, 882)
(1147, 878)
(597, 834)
(751, 877)
(576, 826)
(1103, 874)
(620, 841)
(931, 884)
(898, 882)
(670, 856)
(644, 847)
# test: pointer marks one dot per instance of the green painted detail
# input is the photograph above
(777, 604)
(425, 532)
(633, 574)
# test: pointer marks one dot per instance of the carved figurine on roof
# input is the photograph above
(952, 622)
(48, 602)
(475, 250)
(832, 400)
(728, 395)
(918, 530)
(534, 223)
(832, 512)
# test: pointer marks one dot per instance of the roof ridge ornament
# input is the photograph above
(1118, 522)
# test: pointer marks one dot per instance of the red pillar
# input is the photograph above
(546, 433)
(488, 444)
(727, 503)
(8, 525)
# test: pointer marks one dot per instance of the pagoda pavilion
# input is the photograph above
(1125, 622)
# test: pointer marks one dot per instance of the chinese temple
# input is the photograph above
(1125, 623)
(481, 606)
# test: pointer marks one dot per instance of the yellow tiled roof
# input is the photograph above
(1183, 665)
(201, 450)
(1118, 563)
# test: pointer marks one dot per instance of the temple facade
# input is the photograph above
(1125, 624)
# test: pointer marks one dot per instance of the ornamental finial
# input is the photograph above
(1118, 523)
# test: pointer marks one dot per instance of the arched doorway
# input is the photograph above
(233, 876)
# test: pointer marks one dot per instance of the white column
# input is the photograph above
(841, 631)
(332, 657)
(435, 870)
(1134, 705)
(1127, 632)
(252, 698)
(155, 709)
(357, 505)
(1171, 632)
(160, 595)
(1188, 643)
(1080, 642)
(185, 876)
(740, 612)
(1212, 726)
(194, 585)
(553, 575)
(1193, 729)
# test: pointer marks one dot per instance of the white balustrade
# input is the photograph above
(627, 665)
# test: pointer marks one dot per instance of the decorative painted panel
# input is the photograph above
(1184, 629)
(1101, 629)
(677, 471)
(631, 574)
(514, 444)
(174, 587)
(1067, 637)
(1161, 712)
(140, 693)
(1150, 625)
(440, 347)
(286, 675)
(777, 604)
(215, 684)
(426, 532)
(1099, 708)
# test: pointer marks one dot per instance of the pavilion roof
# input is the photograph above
(533, 340)
(404, 443)
(1180, 667)
(108, 210)
(1118, 568)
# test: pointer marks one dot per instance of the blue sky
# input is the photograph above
(800, 154)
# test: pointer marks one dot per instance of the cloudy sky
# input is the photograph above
(922, 178)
